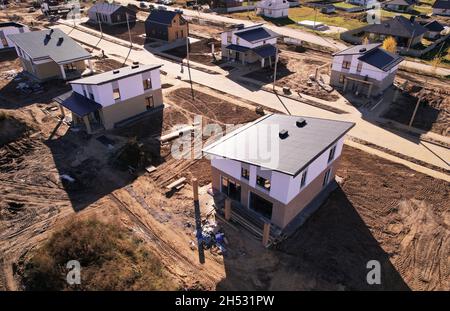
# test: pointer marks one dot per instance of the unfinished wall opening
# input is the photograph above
(231, 188)
(261, 205)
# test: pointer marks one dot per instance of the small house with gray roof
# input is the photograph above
(104, 100)
(280, 167)
(49, 54)
(110, 14)
(364, 69)
(248, 45)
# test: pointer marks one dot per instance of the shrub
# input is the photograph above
(111, 258)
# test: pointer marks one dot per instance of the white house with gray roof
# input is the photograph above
(50, 54)
(273, 8)
(249, 45)
(105, 100)
(9, 28)
(364, 69)
(279, 167)
(110, 14)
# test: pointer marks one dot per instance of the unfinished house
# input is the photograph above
(273, 8)
(9, 28)
(248, 45)
(441, 7)
(166, 25)
(50, 54)
(104, 100)
(364, 69)
(279, 168)
(110, 14)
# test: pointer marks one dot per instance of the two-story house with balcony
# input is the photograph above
(103, 100)
(50, 54)
(278, 165)
(249, 45)
(364, 69)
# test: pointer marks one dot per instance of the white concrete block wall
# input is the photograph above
(129, 87)
(283, 187)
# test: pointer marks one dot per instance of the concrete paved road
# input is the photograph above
(364, 130)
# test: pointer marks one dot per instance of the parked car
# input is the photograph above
(178, 11)
(161, 7)
(143, 5)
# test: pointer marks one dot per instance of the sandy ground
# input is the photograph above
(434, 110)
(293, 71)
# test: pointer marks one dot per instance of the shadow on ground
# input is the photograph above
(330, 251)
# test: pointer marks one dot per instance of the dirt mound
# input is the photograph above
(11, 128)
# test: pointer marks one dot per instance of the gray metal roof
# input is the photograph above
(256, 33)
(399, 2)
(358, 49)
(441, 4)
(106, 8)
(381, 59)
(77, 103)
(116, 74)
(399, 26)
(258, 143)
(51, 43)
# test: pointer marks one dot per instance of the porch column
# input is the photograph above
(345, 84)
(212, 48)
(63, 72)
(262, 62)
(61, 108)
(90, 65)
(87, 124)
(243, 58)
(370, 91)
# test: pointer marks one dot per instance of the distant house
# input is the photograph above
(49, 54)
(273, 8)
(441, 7)
(102, 100)
(215, 4)
(110, 14)
(364, 69)
(434, 29)
(10, 28)
(279, 168)
(249, 44)
(166, 25)
(363, 3)
(399, 5)
(407, 32)
(50, 7)
(328, 9)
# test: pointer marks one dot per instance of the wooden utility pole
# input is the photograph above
(415, 111)
(187, 61)
(275, 68)
(129, 31)
(198, 221)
